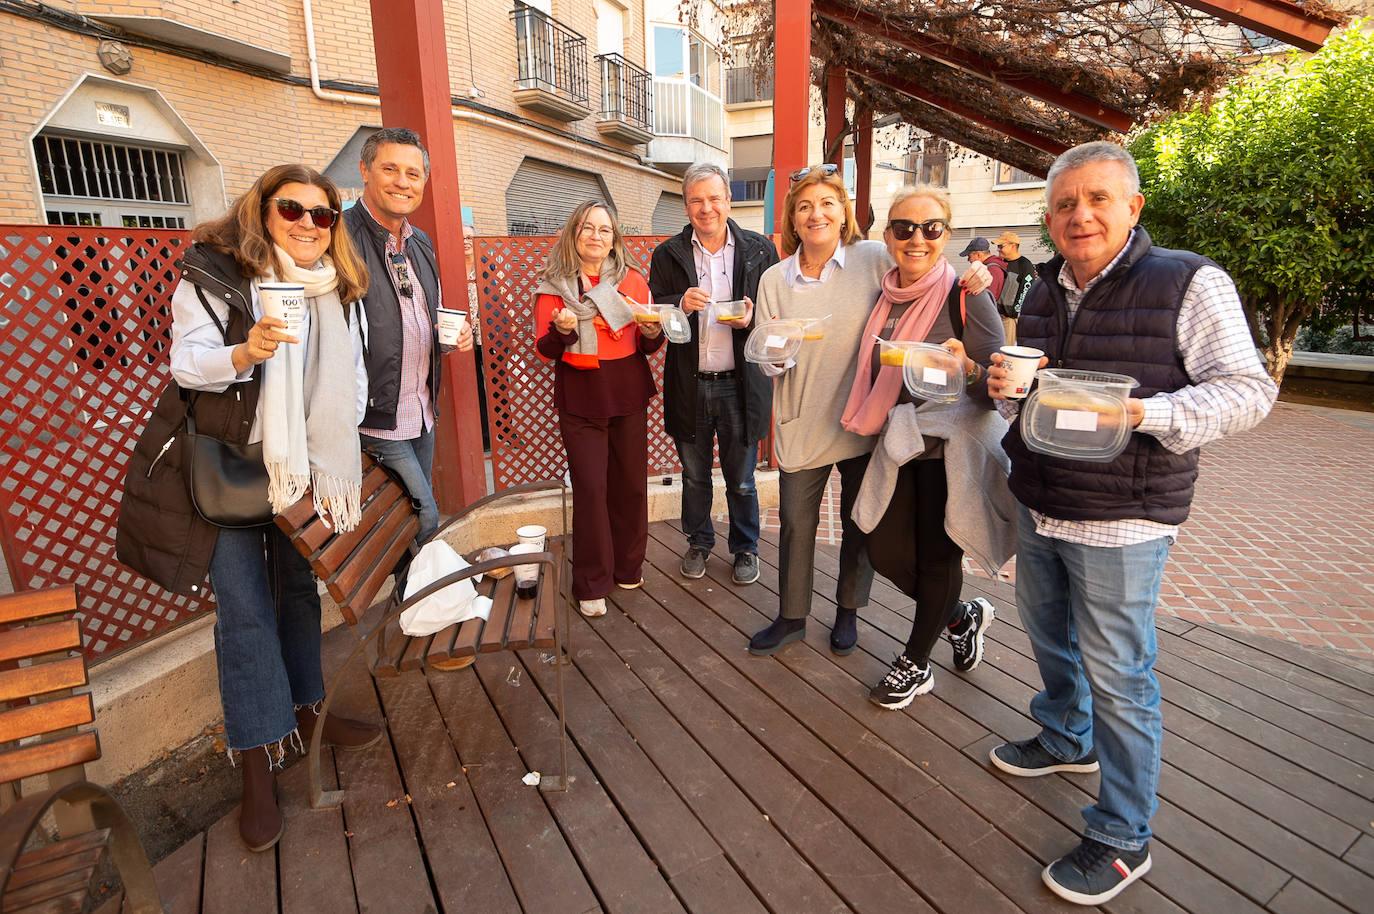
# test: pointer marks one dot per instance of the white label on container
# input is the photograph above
(1076, 420)
(937, 376)
(775, 342)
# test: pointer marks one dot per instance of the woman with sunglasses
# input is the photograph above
(602, 385)
(247, 380)
(931, 454)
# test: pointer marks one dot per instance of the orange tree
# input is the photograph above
(1274, 180)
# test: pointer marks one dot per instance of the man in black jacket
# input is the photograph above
(711, 394)
(402, 303)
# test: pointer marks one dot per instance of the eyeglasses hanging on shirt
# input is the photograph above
(398, 262)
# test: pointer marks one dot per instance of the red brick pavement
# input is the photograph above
(1281, 537)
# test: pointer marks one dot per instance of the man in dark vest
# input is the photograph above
(1093, 537)
(710, 393)
(402, 302)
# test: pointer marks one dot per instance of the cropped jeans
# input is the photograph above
(1089, 612)
(720, 417)
(267, 634)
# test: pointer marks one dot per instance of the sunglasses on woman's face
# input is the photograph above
(903, 229)
(293, 210)
(827, 168)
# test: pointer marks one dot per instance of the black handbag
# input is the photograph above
(228, 482)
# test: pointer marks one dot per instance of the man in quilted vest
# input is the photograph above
(1093, 536)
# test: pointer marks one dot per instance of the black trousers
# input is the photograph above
(910, 548)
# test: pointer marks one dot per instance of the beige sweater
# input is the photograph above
(809, 397)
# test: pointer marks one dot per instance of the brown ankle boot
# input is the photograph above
(260, 822)
(338, 731)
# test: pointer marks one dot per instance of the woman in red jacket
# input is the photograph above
(587, 327)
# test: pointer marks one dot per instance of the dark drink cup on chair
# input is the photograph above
(526, 576)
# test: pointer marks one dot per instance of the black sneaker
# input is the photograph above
(771, 639)
(1029, 759)
(694, 562)
(968, 647)
(901, 684)
(1094, 873)
(746, 568)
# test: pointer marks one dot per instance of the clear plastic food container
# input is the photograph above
(1080, 415)
(675, 325)
(932, 372)
(729, 310)
(774, 341)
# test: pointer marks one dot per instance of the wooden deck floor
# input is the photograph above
(707, 780)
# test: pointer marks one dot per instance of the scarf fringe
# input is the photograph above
(284, 488)
(341, 498)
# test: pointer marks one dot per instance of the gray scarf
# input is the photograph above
(309, 407)
(602, 298)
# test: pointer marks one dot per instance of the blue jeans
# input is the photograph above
(267, 634)
(412, 460)
(720, 416)
(1089, 612)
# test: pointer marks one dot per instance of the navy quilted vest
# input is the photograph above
(1127, 323)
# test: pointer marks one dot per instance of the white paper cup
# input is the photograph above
(526, 576)
(533, 535)
(285, 300)
(451, 323)
(1021, 363)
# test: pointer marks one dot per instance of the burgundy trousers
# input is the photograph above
(608, 461)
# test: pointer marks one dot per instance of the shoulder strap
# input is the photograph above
(362, 334)
(219, 324)
(958, 317)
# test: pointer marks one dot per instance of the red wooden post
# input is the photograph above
(836, 92)
(791, 94)
(412, 73)
(863, 168)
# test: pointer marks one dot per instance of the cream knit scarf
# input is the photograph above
(309, 406)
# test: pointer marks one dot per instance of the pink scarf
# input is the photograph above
(869, 401)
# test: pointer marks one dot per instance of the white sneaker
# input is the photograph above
(592, 608)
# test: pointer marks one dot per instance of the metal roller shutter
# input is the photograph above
(542, 196)
(670, 215)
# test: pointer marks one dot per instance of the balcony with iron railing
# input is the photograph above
(627, 112)
(689, 125)
(553, 66)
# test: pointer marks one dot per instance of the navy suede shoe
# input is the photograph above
(782, 631)
(844, 637)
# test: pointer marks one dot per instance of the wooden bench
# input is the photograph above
(38, 735)
(355, 566)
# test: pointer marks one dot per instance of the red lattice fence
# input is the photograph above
(82, 357)
(84, 333)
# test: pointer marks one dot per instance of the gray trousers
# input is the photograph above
(799, 513)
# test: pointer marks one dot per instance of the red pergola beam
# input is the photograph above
(791, 95)
(1279, 19)
(1020, 134)
(1081, 105)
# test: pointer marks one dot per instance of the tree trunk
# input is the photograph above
(1276, 357)
(1282, 320)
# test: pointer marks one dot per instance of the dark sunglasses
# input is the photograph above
(826, 168)
(402, 274)
(902, 229)
(293, 210)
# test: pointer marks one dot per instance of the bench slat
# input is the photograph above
(45, 717)
(26, 761)
(35, 604)
(356, 582)
(72, 860)
(42, 678)
(390, 650)
(493, 635)
(339, 549)
(45, 638)
(413, 658)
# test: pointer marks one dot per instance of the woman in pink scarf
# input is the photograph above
(922, 301)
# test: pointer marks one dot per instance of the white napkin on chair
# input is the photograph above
(456, 603)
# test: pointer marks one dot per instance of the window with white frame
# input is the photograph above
(1009, 175)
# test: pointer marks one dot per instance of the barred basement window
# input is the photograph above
(69, 167)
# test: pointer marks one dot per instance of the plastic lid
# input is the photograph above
(1080, 421)
(675, 325)
(932, 372)
(774, 341)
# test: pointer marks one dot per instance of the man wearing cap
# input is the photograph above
(980, 252)
(1009, 246)
(710, 392)
(1092, 537)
